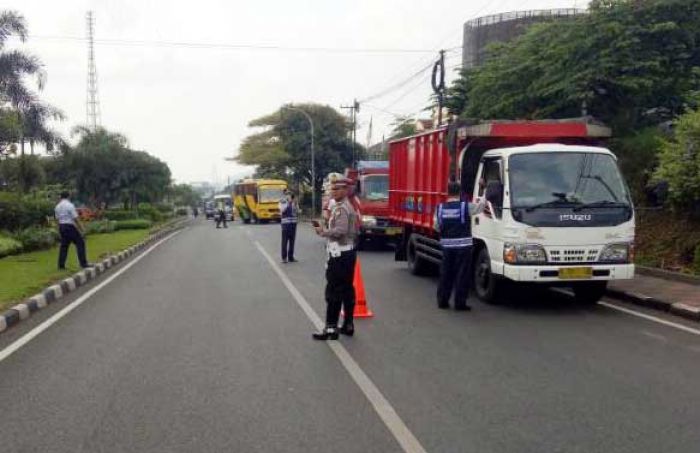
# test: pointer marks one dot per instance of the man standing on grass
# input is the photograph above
(71, 230)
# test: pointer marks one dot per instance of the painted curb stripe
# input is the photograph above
(23, 310)
(3, 324)
(49, 295)
(40, 300)
(32, 305)
(11, 317)
(57, 291)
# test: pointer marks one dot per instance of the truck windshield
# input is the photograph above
(270, 194)
(579, 180)
(376, 187)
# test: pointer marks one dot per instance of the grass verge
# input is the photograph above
(24, 275)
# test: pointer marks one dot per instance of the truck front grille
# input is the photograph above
(577, 255)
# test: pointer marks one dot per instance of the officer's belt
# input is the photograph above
(345, 248)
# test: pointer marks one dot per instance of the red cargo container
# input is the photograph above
(420, 166)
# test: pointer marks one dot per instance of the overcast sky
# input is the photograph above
(189, 105)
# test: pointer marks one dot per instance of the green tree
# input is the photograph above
(283, 147)
(679, 161)
(402, 127)
(628, 63)
(184, 195)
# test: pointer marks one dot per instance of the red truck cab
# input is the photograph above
(371, 193)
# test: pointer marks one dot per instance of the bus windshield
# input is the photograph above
(267, 194)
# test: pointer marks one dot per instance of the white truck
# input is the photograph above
(558, 211)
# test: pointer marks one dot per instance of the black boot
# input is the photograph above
(328, 333)
(348, 329)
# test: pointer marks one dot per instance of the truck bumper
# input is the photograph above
(381, 232)
(552, 273)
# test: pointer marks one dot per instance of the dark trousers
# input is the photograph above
(455, 273)
(221, 217)
(289, 234)
(69, 233)
(340, 293)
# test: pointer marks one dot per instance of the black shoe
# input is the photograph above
(329, 333)
(463, 307)
(348, 330)
(88, 266)
(284, 261)
(443, 306)
(292, 260)
(61, 268)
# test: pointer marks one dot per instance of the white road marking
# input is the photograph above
(381, 405)
(29, 336)
(651, 318)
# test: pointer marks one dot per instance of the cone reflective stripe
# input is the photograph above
(361, 309)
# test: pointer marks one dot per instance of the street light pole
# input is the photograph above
(313, 157)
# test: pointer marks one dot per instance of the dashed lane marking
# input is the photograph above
(408, 442)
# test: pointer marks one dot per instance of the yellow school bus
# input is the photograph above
(257, 199)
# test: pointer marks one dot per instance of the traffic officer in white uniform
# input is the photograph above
(71, 230)
(340, 268)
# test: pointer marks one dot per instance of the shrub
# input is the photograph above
(181, 211)
(120, 214)
(164, 208)
(136, 224)
(35, 238)
(9, 246)
(147, 210)
(100, 226)
(18, 212)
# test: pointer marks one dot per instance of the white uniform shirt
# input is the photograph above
(65, 213)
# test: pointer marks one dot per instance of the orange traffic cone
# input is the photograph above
(361, 308)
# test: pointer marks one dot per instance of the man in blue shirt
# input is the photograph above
(71, 231)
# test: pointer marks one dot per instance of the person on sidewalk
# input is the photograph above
(453, 222)
(71, 231)
(289, 210)
(340, 267)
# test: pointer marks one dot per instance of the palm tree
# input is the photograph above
(35, 128)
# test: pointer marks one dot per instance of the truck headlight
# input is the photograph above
(616, 253)
(524, 254)
(369, 221)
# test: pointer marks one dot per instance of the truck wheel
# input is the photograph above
(589, 292)
(246, 220)
(255, 218)
(416, 264)
(485, 283)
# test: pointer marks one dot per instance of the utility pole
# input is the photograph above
(438, 82)
(354, 109)
(92, 102)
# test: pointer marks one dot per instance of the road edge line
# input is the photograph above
(408, 442)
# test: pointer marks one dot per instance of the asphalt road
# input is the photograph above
(200, 347)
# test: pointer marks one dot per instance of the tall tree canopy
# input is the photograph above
(283, 146)
(629, 63)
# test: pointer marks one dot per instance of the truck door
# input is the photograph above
(487, 224)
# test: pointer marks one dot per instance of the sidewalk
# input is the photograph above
(679, 297)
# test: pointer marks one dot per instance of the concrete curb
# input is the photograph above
(53, 293)
(679, 309)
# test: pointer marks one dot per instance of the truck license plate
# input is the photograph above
(572, 273)
(393, 230)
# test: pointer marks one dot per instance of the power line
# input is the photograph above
(232, 46)
(397, 86)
